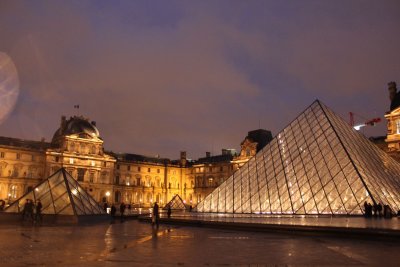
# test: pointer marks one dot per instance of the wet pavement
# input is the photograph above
(134, 243)
(348, 222)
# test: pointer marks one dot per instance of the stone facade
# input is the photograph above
(110, 177)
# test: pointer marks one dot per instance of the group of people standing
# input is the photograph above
(377, 210)
(32, 212)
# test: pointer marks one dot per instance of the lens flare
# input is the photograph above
(9, 86)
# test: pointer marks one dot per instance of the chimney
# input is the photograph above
(392, 90)
(208, 154)
(183, 158)
(63, 124)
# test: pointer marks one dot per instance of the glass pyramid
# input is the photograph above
(317, 165)
(176, 203)
(60, 194)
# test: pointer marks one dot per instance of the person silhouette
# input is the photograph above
(156, 215)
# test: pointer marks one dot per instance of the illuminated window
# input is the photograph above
(91, 177)
(71, 161)
(398, 126)
(81, 174)
(13, 191)
(247, 152)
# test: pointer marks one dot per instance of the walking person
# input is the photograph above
(122, 210)
(38, 215)
(156, 215)
(25, 209)
(169, 211)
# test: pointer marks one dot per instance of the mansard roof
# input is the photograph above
(24, 144)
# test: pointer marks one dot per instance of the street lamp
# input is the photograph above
(107, 195)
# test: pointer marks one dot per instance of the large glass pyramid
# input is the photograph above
(60, 194)
(317, 165)
(176, 203)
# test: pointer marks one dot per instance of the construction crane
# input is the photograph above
(370, 122)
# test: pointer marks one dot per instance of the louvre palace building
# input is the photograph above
(318, 164)
(114, 177)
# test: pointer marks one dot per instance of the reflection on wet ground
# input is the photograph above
(138, 244)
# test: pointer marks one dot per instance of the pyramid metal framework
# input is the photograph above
(317, 165)
(60, 194)
(176, 203)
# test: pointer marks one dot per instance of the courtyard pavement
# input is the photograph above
(135, 243)
(337, 225)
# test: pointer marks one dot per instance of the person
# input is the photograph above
(27, 212)
(156, 215)
(379, 209)
(105, 206)
(2, 204)
(113, 210)
(38, 215)
(25, 209)
(190, 208)
(169, 211)
(365, 209)
(375, 209)
(122, 210)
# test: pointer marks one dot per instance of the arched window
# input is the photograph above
(398, 126)
(148, 181)
(13, 192)
(117, 196)
(149, 198)
(128, 197)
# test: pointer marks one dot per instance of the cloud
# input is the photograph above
(163, 77)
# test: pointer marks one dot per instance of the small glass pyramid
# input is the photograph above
(60, 194)
(176, 203)
(318, 164)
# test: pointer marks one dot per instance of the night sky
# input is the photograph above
(161, 77)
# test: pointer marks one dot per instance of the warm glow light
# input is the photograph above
(73, 191)
(108, 193)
